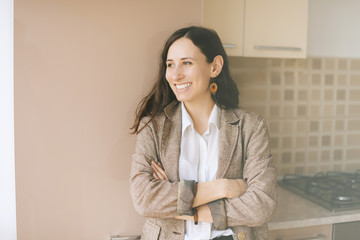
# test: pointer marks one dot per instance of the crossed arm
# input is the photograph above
(206, 192)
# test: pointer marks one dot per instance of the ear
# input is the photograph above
(216, 66)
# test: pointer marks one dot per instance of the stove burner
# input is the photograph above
(332, 190)
(320, 184)
(355, 185)
(342, 198)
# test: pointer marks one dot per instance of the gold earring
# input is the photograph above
(213, 88)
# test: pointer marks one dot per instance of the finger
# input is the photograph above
(158, 173)
(156, 176)
(159, 170)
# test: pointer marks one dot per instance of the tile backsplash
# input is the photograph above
(312, 107)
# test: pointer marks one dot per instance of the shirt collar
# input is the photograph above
(187, 121)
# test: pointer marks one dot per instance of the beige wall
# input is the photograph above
(80, 69)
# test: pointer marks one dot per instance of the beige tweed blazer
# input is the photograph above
(244, 152)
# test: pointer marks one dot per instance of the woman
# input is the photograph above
(202, 168)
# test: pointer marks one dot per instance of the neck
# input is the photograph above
(200, 112)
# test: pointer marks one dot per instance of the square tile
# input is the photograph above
(274, 127)
(287, 126)
(355, 80)
(302, 95)
(316, 63)
(302, 110)
(329, 79)
(338, 155)
(300, 142)
(341, 94)
(303, 79)
(300, 157)
(275, 78)
(327, 126)
(316, 95)
(313, 156)
(314, 126)
(287, 142)
(340, 110)
(288, 111)
(325, 155)
(354, 95)
(290, 62)
(341, 80)
(301, 126)
(274, 142)
(328, 95)
(353, 140)
(339, 140)
(342, 64)
(355, 65)
(354, 109)
(286, 157)
(330, 64)
(340, 125)
(316, 79)
(275, 95)
(353, 154)
(289, 78)
(289, 95)
(275, 62)
(313, 141)
(326, 141)
(275, 111)
(354, 125)
(328, 110)
(315, 110)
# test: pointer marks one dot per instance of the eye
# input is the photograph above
(187, 63)
(169, 65)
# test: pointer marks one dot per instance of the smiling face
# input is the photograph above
(187, 72)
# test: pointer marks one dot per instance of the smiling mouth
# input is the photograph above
(182, 86)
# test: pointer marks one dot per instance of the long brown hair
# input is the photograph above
(161, 94)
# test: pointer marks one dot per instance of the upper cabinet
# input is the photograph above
(259, 28)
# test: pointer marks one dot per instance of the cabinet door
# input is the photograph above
(321, 232)
(275, 28)
(226, 17)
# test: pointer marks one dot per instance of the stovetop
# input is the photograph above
(335, 191)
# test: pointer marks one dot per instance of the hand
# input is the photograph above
(159, 172)
(204, 214)
(235, 187)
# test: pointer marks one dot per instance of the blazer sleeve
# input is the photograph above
(256, 206)
(151, 197)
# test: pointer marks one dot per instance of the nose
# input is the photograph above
(177, 73)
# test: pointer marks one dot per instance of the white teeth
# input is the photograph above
(182, 86)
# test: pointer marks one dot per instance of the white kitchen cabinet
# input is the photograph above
(259, 28)
(321, 232)
(226, 17)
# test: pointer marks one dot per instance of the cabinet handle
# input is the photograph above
(318, 237)
(117, 237)
(229, 45)
(277, 48)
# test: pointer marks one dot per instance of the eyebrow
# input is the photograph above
(168, 60)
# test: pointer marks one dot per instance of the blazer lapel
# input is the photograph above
(170, 141)
(228, 140)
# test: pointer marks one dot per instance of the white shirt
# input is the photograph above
(199, 161)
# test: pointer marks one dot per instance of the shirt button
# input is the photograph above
(241, 236)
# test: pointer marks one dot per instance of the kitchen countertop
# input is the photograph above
(294, 211)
